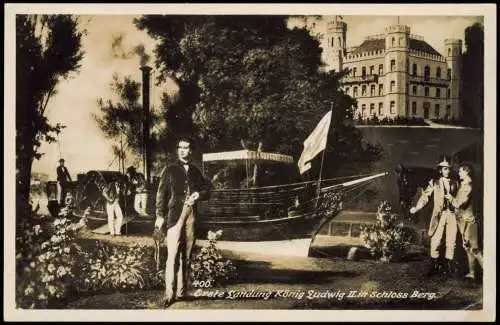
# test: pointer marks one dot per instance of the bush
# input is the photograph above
(209, 264)
(109, 268)
(387, 239)
(45, 261)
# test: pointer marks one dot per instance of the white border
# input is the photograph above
(489, 290)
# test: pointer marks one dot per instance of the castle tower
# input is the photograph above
(335, 47)
(453, 54)
(395, 68)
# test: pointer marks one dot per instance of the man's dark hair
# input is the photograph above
(186, 138)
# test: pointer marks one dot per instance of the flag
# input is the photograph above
(315, 143)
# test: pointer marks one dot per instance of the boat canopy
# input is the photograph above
(247, 155)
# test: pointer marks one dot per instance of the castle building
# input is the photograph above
(396, 73)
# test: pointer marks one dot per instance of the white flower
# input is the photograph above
(51, 268)
(37, 229)
(61, 271)
(29, 290)
(51, 289)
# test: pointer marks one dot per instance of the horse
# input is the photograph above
(411, 180)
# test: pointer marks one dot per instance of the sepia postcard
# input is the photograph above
(250, 162)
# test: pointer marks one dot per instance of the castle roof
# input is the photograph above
(373, 45)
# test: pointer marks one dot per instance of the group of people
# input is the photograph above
(453, 212)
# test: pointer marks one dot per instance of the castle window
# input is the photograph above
(438, 73)
(414, 108)
(332, 42)
(414, 70)
(448, 93)
(436, 111)
(414, 90)
(426, 91)
(380, 69)
(449, 51)
(355, 92)
(449, 74)
(393, 41)
(363, 72)
(380, 89)
(363, 109)
(372, 90)
(372, 109)
(363, 90)
(448, 110)
(426, 109)
(393, 107)
(354, 72)
(393, 86)
(393, 65)
(438, 92)
(372, 70)
(380, 109)
(339, 42)
(427, 72)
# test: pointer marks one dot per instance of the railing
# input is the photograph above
(360, 79)
(429, 80)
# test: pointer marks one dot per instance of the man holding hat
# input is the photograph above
(443, 219)
(63, 179)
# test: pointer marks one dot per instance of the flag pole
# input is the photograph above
(318, 191)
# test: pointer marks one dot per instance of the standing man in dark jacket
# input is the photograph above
(181, 185)
(63, 179)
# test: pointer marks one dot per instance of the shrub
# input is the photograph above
(387, 239)
(209, 264)
(45, 263)
(115, 268)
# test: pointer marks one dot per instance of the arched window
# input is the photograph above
(339, 42)
(438, 73)
(426, 91)
(363, 72)
(449, 74)
(393, 86)
(438, 92)
(414, 90)
(449, 51)
(372, 90)
(332, 42)
(354, 72)
(393, 41)
(393, 65)
(427, 72)
(448, 93)
(355, 92)
(414, 70)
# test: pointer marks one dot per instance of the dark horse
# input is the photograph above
(410, 180)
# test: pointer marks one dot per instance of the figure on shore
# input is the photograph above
(111, 193)
(467, 219)
(136, 192)
(181, 185)
(63, 180)
(443, 218)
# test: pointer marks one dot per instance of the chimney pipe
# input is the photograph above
(146, 157)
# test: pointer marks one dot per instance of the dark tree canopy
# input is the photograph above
(48, 49)
(472, 90)
(252, 79)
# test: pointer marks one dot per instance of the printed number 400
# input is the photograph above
(203, 284)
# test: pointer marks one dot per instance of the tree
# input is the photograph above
(48, 49)
(472, 90)
(267, 89)
(122, 120)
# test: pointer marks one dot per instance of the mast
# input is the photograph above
(146, 155)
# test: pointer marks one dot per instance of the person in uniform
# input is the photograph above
(467, 221)
(181, 185)
(443, 218)
(111, 193)
(136, 191)
(63, 180)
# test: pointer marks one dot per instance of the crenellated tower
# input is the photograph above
(453, 54)
(335, 47)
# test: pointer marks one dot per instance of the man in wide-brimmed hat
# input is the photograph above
(443, 219)
(63, 179)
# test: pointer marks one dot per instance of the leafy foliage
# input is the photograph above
(387, 239)
(210, 265)
(398, 120)
(45, 262)
(48, 49)
(472, 78)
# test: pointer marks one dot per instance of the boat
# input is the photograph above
(273, 215)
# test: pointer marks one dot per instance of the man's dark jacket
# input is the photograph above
(175, 186)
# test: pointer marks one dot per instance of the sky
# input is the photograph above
(83, 145)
